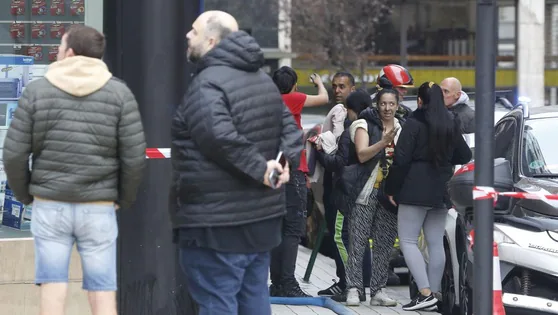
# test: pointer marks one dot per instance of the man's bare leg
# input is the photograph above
(102, 302)
(53, 298)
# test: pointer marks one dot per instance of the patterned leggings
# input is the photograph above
(381, 224)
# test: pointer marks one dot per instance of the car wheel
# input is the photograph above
(448, 286)
(465, 291)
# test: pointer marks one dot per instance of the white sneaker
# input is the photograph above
(431, 309)
(353, 298)
(382, 299)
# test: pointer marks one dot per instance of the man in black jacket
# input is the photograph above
(457, 102)
(225, 138)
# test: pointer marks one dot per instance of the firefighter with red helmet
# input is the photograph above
(396, 77)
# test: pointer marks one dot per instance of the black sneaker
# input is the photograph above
(292, 290)
(274, 290)
(421, 302)
(393, 279)
(342, 297)
(335, 289)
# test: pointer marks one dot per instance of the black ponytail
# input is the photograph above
(440, 122)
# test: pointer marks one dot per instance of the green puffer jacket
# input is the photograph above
(85, 134)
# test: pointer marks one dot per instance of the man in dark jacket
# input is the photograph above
(84, 131)
(283, 257)
(225, 138)
(345, 155)
(457, 102)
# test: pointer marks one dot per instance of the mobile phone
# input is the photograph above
(274, 174)
(313, 139)
(312, 78)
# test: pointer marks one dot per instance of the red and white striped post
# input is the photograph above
(157, 153)
(497, 303)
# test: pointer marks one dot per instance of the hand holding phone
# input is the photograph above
(313, 139)
(315, 79)
(275, 171)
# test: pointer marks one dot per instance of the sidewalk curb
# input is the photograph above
(325, 302)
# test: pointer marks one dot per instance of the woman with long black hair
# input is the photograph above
(428, 148)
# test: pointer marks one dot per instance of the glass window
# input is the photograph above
(539, 154)
(504, 135)
(30, 33)
(35, 27)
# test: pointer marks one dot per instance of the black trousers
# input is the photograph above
(283, 257)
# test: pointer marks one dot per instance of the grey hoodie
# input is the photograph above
(464, 113)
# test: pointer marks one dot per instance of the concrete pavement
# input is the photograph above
(322, 276)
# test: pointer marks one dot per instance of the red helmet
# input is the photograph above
(395, 76)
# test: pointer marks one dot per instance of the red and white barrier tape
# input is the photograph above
(157, 153)
(483, 192)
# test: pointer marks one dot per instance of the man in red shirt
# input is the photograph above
(283, 257)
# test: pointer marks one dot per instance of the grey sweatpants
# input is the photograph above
(410, 220)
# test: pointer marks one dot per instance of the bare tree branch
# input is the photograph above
(336, 33)
(332, 33)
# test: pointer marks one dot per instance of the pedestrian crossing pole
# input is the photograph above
(146, 49)
(485, 79)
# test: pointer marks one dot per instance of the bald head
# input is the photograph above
(452, 90)
(452, 83)
(207, 31)
(219, 24)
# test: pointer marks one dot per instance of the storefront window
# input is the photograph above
(30, 33)
(35, 27)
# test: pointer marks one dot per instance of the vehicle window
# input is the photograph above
(504, 134)
(539, 155)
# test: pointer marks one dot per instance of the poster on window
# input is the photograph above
(35, 52)
(77, 7)
(17, 7)
(57, 31)
(52, 53)
(38, 7)
(57, 8)
(17, 30)
(38, 31)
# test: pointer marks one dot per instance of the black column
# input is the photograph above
(145, 48)
(485, 78)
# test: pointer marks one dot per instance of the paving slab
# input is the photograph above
(322, 277)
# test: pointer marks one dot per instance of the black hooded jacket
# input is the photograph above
(466, 117)
(232, 121)
(413, 178)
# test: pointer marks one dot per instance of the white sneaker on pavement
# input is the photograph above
(382, 299)
(352, 297)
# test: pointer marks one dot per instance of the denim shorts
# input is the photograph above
(56, 226)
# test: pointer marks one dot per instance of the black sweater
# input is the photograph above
(413, 178)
